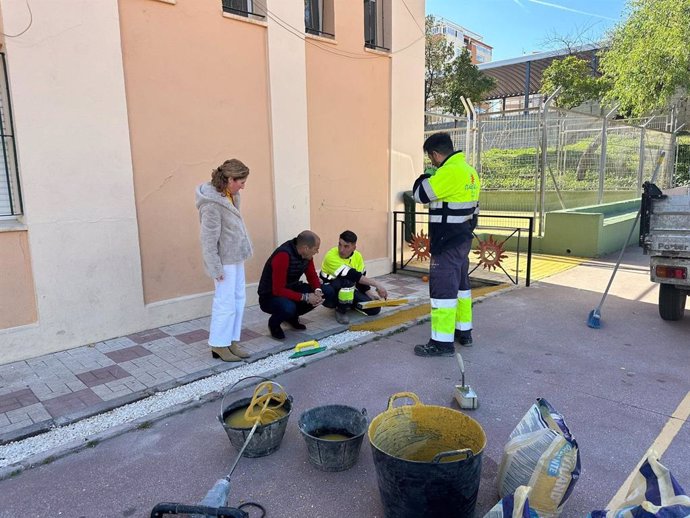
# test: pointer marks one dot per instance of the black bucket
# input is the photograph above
(266, 439)
(428, 460)
(337, 454)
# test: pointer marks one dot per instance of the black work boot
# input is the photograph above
(434, 348)
(275, 329)
(296, 324)
(464, 338)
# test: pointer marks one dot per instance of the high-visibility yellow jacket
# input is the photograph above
(334, 266)
(453, 197)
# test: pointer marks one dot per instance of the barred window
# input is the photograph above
(377, 24)
(10, 193)
(318, 17)
(240, 8)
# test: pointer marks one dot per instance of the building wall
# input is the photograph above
(349, 133)
(218, 109)
(407, 99)
(18, 299)
(70, 115)
(123, 108)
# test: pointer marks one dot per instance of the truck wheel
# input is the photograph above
(671, 302)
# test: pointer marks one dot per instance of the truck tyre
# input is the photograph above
(671, 302)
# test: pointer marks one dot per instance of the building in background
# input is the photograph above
(112, 115)
(462, 38)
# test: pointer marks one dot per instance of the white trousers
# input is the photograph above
(228, 307)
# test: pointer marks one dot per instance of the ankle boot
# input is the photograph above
(238, 350)
(224, 354)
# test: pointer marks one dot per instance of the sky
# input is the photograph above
(518, 27)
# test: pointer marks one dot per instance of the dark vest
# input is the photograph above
(296, 269)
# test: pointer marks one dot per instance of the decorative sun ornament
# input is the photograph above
(420, 246)
(490, 253)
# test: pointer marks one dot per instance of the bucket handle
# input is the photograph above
(226, 392)
(467, 452)
(400, 395)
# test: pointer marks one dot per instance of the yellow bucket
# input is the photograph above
(427, 459)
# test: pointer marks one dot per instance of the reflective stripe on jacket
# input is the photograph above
(334, 266)
(453, 198)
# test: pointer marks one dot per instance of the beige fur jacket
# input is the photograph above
(224, 238)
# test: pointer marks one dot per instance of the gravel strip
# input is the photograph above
(18, 451)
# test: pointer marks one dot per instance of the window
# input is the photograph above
(318, 17)
(10, 194)
(240, 8)
(377, 26)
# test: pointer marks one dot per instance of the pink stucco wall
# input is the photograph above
(197, 94)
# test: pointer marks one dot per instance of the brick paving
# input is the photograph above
(58, 388)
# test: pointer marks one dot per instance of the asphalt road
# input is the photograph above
(616, 386)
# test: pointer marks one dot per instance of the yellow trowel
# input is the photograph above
(381, 303)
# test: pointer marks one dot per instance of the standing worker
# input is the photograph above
(344, 279)
(225, 246)
(453, 197)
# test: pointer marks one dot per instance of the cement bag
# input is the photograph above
(542, 454)
(653, 493)
(515, 505)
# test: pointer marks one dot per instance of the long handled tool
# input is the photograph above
(382, 303)
(594, 318)
(213, 505)
(464, 394)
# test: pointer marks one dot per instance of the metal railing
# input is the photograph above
(10, 188)
(536, 160)
(502, 246)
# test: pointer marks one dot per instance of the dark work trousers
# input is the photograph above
(283, 309)
(330, 294)
(449, 291)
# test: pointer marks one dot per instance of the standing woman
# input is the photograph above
(225, 246)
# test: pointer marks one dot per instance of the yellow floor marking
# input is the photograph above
(406, 315)
(660, 445)
(542, 266)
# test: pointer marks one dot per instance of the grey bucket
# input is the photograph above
(266, 439)
(329, 455)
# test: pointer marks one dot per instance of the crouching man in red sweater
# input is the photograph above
(281, 292)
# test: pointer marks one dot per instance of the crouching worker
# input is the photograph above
(281, 293)
(344, 281)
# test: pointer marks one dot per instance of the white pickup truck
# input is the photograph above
(665, 237)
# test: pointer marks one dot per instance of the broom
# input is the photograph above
(594, 318)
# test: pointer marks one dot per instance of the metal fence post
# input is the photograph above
(468, 127)
(640, 166)
(544, 158)
(602, 160)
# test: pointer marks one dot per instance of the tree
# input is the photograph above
(437, 54)
(575, 77)
(464, 80)
(648, 60)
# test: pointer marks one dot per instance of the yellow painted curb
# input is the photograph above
(405, 315)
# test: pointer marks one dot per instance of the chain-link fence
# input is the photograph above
(544, 159)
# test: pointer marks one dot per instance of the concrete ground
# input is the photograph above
(617, 387)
